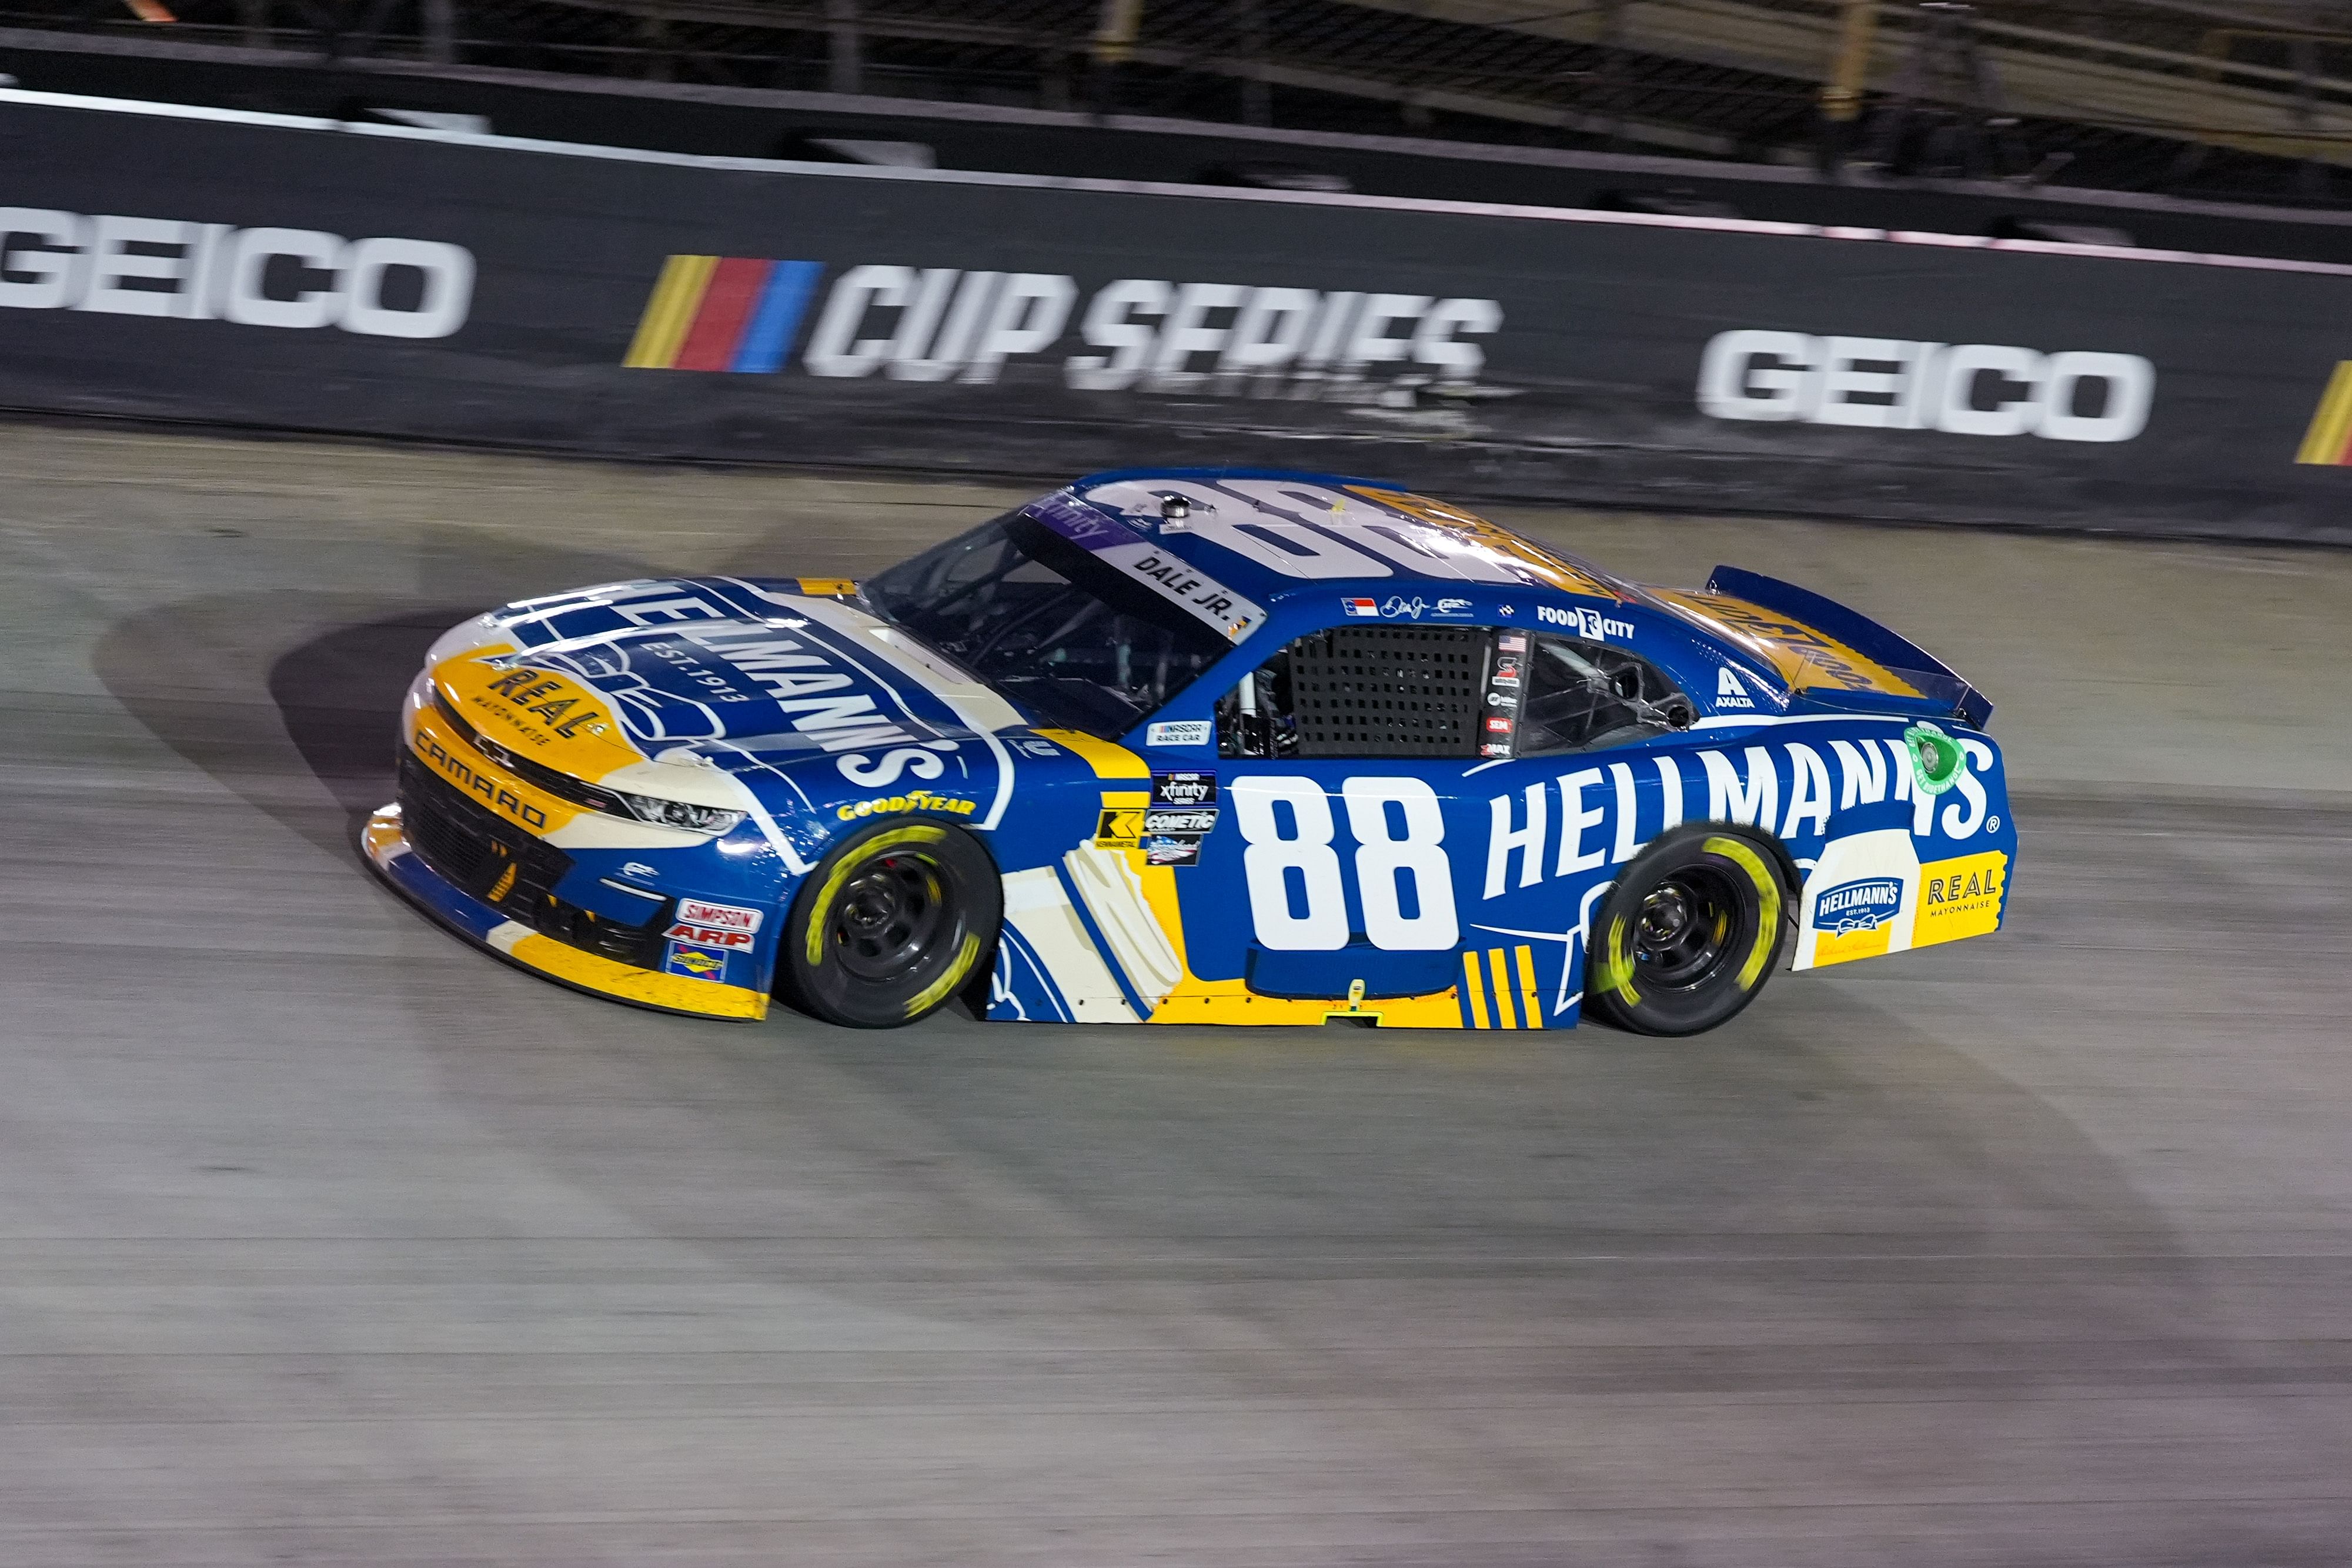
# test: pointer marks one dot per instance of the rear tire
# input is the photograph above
(891, 924)
(1689, 936)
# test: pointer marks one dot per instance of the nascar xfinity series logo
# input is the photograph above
(380, 288)
(943, 323)
(1863, 905)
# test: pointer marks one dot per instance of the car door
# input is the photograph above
(1344, 844)
(1419, 808)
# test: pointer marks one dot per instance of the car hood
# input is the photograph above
(803, 696)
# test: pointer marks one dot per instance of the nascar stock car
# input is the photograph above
(1197, 747)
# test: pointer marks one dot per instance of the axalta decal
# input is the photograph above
(383, 286)
(1891, 384)
(1154, 335)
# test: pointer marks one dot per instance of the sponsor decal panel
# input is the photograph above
(1171, 850)
(292, 278)
(1959, 389)
(1184, 788)
(1728, 692)
(912, 801)
(1181, 732)
(1115, 546)
(1179, 819)
(1129, 334)
(695, 963)
(1959, 897)
(1119, 827)
(724, 917)
(708, 936)
(1856, 919)
(1584, 621)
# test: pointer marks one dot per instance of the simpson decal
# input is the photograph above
(724, 916)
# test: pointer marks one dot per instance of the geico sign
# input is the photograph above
(930, 324)
(1887, 383)
(259, 278)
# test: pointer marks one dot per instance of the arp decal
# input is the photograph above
(709, 935)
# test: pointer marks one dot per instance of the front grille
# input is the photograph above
(1388, 690)
(506, 867)
(562, 786)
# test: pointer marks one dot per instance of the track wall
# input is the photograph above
(238, 270)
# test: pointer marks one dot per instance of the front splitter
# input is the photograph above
(397, 860)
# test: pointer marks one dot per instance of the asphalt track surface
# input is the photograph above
(324, 1239)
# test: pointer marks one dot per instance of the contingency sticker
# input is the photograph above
(1188, 786)
(1960, 897)
(695, 963)
(725, 916)
(1171, 848)
(1855, 919)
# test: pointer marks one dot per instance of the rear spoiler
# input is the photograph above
(1898, 655)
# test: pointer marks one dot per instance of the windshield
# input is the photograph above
(1038, 619)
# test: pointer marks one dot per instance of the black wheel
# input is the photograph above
(890, 926)
(1689, 936)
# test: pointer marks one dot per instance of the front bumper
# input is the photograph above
(397, 861)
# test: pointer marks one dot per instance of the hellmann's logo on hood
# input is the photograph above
(688, 662)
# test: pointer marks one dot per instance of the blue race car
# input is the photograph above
(1197, 747)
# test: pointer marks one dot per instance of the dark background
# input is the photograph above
(1588, 384)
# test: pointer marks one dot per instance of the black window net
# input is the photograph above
(1388, 690)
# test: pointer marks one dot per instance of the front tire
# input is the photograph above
(1689, 936)
(890, 926)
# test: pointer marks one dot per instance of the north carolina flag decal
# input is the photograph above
(722, 313)
(2329, 439)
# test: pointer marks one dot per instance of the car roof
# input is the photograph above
(1466, 552)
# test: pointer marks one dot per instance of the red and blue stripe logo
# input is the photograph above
(722, 313)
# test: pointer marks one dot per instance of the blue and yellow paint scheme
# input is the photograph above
(765, 719)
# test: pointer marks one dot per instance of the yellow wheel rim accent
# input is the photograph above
(924, 999)
(1617, 964)
(1743, 854)
(866, 852)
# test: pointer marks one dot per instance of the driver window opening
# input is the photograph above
(1585, 697)
(1362, 691)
